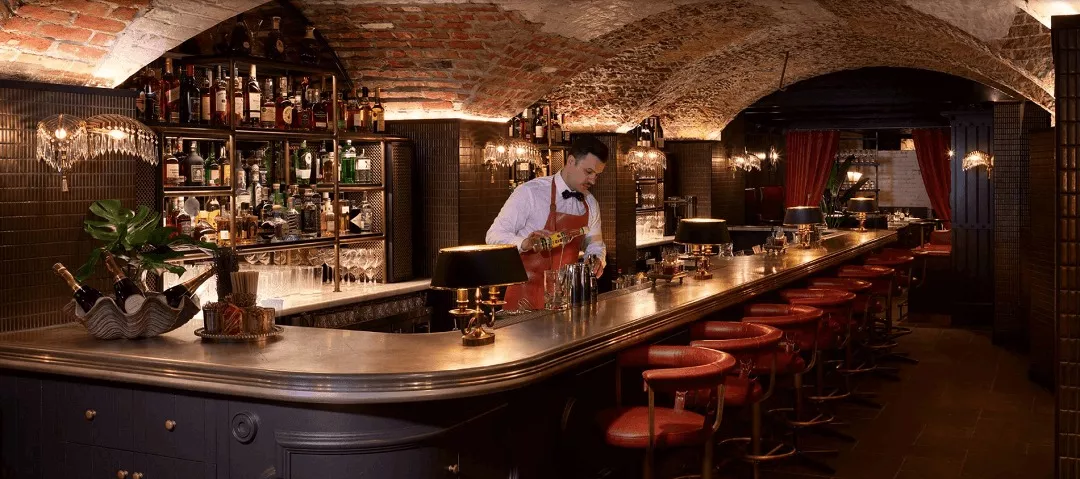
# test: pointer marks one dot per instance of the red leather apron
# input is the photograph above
(538, 262)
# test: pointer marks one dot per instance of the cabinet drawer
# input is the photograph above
(87, 414)
(172, 425)
(79, 461)
(158, 467)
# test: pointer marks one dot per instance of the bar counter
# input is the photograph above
(314, 365)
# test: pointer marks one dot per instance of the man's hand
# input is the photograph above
(532, 242)
(596, 265)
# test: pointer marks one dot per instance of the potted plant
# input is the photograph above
(835, 197)
(138, 238)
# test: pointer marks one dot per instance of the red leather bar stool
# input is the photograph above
(668, 370)
(902, 262)
(862, 309)
(756, 348)
(883, 339)
(834, 335)
(800, 325)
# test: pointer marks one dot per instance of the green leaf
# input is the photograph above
(88, 268)
(108, 209)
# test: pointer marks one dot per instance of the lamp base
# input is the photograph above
(862, 222)
(700, 274)
(478, 337)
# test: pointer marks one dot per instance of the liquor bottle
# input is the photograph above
(284, 105)
(221, 100)
(151, 93)
(213, 211)
(183, 219)
(348, 163)
(224, 228)
(311, 215)
(225, 166)
(268, 113)
(84, 295)
(378, 114)
(277, 198)
(320, 110)
(246, 225)
(356, 220)
(240, 40)
(646, 134)
(639, 198)
(170, 94)
(281, 227)
(526, 131)
(560, 238)
(253, 100)
(239, 106)
(540, 126)
(659, 134)
(190, 96)
(172, 167)
(206, 98)
(128, 296)
(554, 128)
(326, 168)
(241, 191)
(307, 116)
(328, 220)
(367, 215)
(365, 112)
(302, 165)
(292, 215)
(565, 130)
(340, 113)
(522, 171)
(363, 173)
(213, 170)
(266, 207)
(511, 127)
(309, 47)
(353, 120)
(196, 167)
(140, 101)
(176, 294)
(275, 43)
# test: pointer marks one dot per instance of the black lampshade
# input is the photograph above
(704, 231)
(862, 205)
(478, 266)
(803, 215)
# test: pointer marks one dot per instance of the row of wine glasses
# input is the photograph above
(650, 226)
(359, 267)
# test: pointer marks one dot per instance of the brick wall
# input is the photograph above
(899, 179)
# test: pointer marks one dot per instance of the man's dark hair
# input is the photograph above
(584, 145)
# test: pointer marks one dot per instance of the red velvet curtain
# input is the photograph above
(932, 150)
(810, 156)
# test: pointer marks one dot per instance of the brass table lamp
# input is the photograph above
(462, 268)
(804, 218)
(861, 206)
(701, 234)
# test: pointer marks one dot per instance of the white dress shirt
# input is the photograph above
(527, 210)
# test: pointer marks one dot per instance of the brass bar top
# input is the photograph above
(331, 366)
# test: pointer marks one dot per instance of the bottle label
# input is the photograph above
(238, 107)
(279, 45)
(215, 177)
(140, 103)
(358, 221)
(172, 174)
(357, 120)
(539, 131)
(363, 164)
(523, 166)
(255, 106)
(173, 94)
(222, 102)
(269, 113)
(287, 114)
(303, 174)
(320, 123)
(198, 174)
(204, 108)
(350, 154)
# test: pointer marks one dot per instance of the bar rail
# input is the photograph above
(311, 365)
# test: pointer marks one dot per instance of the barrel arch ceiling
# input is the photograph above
(607, 63)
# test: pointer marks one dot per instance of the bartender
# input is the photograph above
(550, 204)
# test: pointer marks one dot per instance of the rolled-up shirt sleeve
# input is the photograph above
(594, 243)
(511, 221)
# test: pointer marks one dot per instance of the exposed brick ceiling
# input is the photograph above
(606, 62)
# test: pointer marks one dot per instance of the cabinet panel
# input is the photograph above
(155, 412)
(88, 414)
(427, 462)
(158, 467)
(80, 461)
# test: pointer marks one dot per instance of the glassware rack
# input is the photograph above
(374, 146)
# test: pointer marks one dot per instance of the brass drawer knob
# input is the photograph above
(454, 469)
(137, 475)
(90, 414)
(170, 425)
(121, 474)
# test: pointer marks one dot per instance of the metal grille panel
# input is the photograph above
(400, 211)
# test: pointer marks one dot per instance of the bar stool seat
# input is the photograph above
(629, 427)
(836, 306)
(860, 288)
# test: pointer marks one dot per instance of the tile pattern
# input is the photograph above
(615, 190)
(1066, 45)
(1037, 256)
(481, 199)
(40, 225)
(728, 200)
(690, 163)
(1013, 123)
(400, 211)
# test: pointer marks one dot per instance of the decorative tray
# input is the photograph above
(655, 277)
(242, 337)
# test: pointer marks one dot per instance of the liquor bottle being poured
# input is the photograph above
(559, 238)
(84, 295)
(128, 296)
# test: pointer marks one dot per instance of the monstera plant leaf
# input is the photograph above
(137, 237)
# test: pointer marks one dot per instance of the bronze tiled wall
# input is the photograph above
(615, 190)
(39, 225)
(1037, 257)
(1065, 31)
(481, 199)
(972, 200)
(700, 168)
(728, 199)
(1013, 123)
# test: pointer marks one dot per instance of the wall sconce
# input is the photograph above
(122, 135)
(979, 158)
(745, 162)
(61, 143)
(854, 176)
(641, 158)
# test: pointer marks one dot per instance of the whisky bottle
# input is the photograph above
(275, 43)
(309, 47)
(321, 110)
(213, 170)
(302, 165)
(84, 295)
(152, 93)
(240, 39)
(196, 167)
(253, 100)
(285, 108)
(176, 294)
(326, 168)
(365, 112)
(312, 215)
(128, 296)
(221, 101)
(378, 113)
(353, 119)
(363, 169)
(239, 103)
(206, 98)
(190, 97)
(367, 216)
(559, 238)
(268, 114)
(172, 167)
(170, 94)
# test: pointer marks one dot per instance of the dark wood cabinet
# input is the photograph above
(173, 425)
(88, 414)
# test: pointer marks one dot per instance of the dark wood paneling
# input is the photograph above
(1037, 257)
(972, 201)
(1066, 44)
(1013, 122)
(40, 225)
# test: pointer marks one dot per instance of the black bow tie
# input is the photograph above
(573, 194)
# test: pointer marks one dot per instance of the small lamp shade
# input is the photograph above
(702, 231)
(477, 266)
(862, 205)
(803, 215)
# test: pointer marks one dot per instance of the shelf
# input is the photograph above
(191, 132)
(254, 134)
(368, 137)
(649, 210)
(554, 147)
(284, 245)
(197, 191)
(649, 181)
(266, 66)
(357, 238)
(349, 188)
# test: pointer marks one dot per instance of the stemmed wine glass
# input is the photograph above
(374, 261)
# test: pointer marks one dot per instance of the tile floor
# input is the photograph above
(967, 410)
